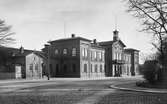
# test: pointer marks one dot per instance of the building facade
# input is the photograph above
(114, 55)
(80, 57)
(132, 61)
(75, 57)
(20, 63)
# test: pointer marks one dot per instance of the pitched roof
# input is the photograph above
(15, 52)
(104, 43)
(72, 38)
(131, 49)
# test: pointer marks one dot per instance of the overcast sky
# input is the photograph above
(37, 21)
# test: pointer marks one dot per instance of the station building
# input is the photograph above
(81, 57)
(75, 57)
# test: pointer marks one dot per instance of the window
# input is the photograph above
(74, 51)
(74, 68)
(91, 55)
(119, 56)
(102, 56)
(57, 68)
(95, 54)
(31, 66)
(83, 53)
(56, 51)
(65, 68)
(114, 56)
(36, 66)
(86, 52)
(91, 68)
(101, 68)
(96, 68)
(65, 51)
(85, 68)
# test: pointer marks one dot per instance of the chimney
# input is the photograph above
(46, 45)
(73, 35)
(94, 41)
(21, 50)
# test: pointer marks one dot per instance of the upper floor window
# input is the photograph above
(91, 55)
(65, 51)
(102, 56)
(36, 66)
(31, 67)
(74, 51)
(95, 54)
(56, 51)
(84, 52)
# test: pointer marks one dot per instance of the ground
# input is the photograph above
(74, 91)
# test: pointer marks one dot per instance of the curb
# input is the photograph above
(139, 90)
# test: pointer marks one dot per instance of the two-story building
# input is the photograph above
(80, 57)
(75, 57)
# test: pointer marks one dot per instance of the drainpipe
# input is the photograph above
(48, 63)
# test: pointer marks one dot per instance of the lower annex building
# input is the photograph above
(80, 57)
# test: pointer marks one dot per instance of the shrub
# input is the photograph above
(151, 71)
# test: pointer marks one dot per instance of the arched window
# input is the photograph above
(56, 51)
(65, 51)
(74, 51)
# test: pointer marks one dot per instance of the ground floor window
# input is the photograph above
(96, 68)
(85, 68)
(57, 68)
(65, 68)
(91, 68)
(74, 67)
(101, 68)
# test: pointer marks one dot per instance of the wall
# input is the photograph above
(5, 75)
(62, 65)
(90, 61)
(33, 66)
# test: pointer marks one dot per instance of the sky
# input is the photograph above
(37, 21)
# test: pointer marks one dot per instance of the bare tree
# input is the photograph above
(5, 34)
(153, 14)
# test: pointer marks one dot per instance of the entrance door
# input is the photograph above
(18, 72)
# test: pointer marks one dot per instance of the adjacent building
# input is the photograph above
(20, 63)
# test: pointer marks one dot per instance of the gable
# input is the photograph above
(118, 44)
